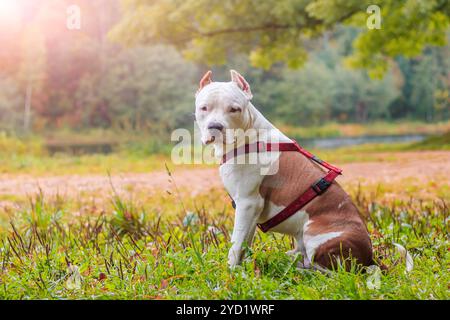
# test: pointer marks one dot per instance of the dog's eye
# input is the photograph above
(234, 110)
(204, 108)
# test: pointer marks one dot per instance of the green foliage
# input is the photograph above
(11, 146)
(407, 28)
(425, 87)
(81, 80)
(325, 91)
(279, 31)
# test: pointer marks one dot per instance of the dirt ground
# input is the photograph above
(422, 166)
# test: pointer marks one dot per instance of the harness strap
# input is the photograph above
(261, 146)
(316, 189)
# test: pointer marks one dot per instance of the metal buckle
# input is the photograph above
(262, 227)
(320, 186)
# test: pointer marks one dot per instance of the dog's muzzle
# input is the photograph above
(215, 126)
(214, 132)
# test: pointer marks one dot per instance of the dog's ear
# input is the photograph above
(241, 83)
(206, 79)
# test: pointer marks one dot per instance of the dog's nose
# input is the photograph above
(215, 126)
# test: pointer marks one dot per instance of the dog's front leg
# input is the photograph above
(247, 213)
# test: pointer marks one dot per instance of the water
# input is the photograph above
(80, 148)
(332, 143)
(317, 143)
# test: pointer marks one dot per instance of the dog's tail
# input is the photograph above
(405, 255)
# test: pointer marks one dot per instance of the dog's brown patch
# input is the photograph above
(332, 211)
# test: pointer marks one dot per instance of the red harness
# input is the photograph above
(316, 189)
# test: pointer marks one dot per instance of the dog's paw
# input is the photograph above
(302, 266)
(234, 258)
(292, 252)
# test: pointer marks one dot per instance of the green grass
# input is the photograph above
(49, 249)
(84, 164)
(383, 151)
(435, 142)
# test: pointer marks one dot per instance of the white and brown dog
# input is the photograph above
(327, 229)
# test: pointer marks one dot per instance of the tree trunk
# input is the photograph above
(361, 112)
(27, 113)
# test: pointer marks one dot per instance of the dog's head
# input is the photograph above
(222, 107)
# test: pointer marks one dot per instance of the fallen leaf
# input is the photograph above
(164, 284)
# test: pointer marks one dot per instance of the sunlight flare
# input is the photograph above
(10, 12)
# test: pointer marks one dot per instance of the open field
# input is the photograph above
(129, 253)
(157, 251)
(151, 236)
(142, 155)
(415, 169)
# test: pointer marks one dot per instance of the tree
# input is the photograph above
(324, 90)
(11, 105)
(280, 30)
(357, 97)
(300, 97)
(147, 88)
(425, 87)
(31, 73)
